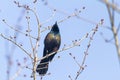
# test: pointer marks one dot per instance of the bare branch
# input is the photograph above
(82, 66)
(17, 73)
(113, 27)
(17, 30)
(17, 45)
(114, 6)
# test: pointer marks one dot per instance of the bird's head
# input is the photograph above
(55, 28)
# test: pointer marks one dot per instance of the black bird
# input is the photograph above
(51, 44)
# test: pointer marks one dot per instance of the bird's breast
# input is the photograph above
(53, 38)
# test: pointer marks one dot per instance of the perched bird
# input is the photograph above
(51, 44)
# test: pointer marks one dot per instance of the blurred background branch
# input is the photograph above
(111, 8)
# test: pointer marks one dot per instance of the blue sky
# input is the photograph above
(102, 62)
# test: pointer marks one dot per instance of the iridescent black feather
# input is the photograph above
(51, 44)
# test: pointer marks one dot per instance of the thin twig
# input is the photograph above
(70, 77)
(28, 22)
(114, 6)
(15, 29)
(50, 18)
(74, 59)
(17, 45)
(113, 28)
(86, 52)
(17, 73)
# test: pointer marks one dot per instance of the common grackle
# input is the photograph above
(51, 44)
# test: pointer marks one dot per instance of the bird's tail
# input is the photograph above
(42, 68)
